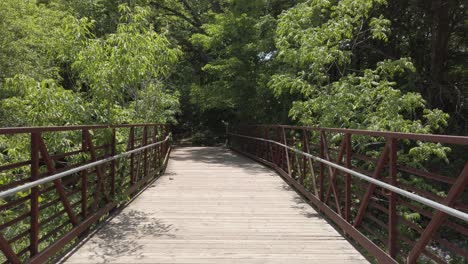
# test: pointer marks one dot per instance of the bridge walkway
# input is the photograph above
(215, 206)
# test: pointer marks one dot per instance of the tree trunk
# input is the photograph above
(440, 34)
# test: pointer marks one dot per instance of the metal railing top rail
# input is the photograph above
(447, 139)
(60, 175)
(20, 130)
(435, 205)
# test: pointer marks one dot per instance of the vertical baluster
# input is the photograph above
(84, 179)
(155, 151)
(161, 147)
(113, 162)
(322, 167)
(286, 152)
(132, 156)
(349, 148)
(34, 238)
(304, 159)
(265, 144)
(145, 152)
(270, 157)
(278, 153)
(160, 136)
(392, 218)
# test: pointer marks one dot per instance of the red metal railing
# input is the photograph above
(390, 227)
(40, 222)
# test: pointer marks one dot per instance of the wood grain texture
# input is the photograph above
(214, 206)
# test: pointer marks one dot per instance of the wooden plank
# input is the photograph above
(214, 206)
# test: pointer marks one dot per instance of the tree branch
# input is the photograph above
(178, 14)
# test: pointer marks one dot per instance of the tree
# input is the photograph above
(36, 39)
(317, 41)
(239, 44)
(116, 70)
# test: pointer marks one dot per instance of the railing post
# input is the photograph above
(286, 152)
(132, 156)
(164, 146)
(84, 179)
(113, 163)
(304, 159)
(155, 151)
(322, 166)
(269, 151)
(279, 153)
(34, 243)
(266, 144)
(145, 152)
(392, 218)
(161, 147)
(349, 148)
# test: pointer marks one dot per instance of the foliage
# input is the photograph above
(43, 103)
(153, 104)
(316, 40)
(239, 45)
(35, 39)
(147, 57)
(369, 101)
(365, 64)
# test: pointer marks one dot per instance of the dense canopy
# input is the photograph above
(372, 64)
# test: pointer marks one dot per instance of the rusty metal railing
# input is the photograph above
(366, 183)
(71, 178)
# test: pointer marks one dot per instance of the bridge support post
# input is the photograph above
(84, 179)
(349, 149)
(113, 163)
(131, 145)
(392, 215)
(322, 166)
(34, 235)
(145, 152)
(286, 152)
(154, 151)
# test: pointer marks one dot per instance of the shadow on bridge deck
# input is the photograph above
(214, 206)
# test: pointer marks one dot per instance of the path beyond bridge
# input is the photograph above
(215, 206)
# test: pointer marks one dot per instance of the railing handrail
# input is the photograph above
(20, 130)
(435, 205)
(60, 175)
(447, 139)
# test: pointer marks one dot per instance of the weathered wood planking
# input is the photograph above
(214, 206)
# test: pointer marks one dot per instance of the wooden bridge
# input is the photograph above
(278, 194)
(214, 206)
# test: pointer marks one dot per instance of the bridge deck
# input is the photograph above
(214, 206)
